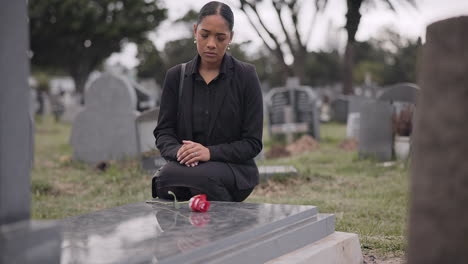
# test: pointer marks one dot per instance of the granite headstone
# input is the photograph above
(227, 233)
(293, 109)
(106, 128)
(375, 133)
(21, 240)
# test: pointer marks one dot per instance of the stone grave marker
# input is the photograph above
(106, 128)
(228, 233)
(340, 109)
(400, 92)
(375, 133)
(355, 104)
(21, 240)
(438, 222)
(293, 109)
(377, 138)
(151, 159)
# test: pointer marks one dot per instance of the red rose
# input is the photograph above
(198, 203)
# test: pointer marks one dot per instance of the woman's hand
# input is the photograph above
(191, 153)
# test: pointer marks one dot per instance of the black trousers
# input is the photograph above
(215, 179)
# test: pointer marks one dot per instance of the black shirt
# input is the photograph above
(202, 103)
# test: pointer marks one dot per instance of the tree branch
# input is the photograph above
(294, 13)
(277, 7)
(279, 53)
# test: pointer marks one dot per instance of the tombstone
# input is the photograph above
(375, 133)
(277, 171)
(293, 109)
(367, 90)
(21, 240)
(355, 106)
(400, 92)
(340, 109)
(72, 108)
(377, 139)
(144, 99)
(228, 233)
(438, 222)
(151, 159)
(106, 128)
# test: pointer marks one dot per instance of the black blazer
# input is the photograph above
(235, 131)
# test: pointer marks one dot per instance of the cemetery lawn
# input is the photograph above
(368, 198)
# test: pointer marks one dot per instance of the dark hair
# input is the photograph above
(217, 8)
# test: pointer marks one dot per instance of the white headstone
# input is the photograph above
(146, 123)
(106, 128)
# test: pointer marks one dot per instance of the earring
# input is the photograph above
(229, 46)
(194, 41)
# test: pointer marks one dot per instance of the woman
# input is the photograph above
(210, 133)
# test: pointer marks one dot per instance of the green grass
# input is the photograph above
(366, 197)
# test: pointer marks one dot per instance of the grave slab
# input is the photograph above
(29, 242)
(337, 248)
(228, 233)
(267, 172)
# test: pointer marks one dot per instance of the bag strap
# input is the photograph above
(181, 81)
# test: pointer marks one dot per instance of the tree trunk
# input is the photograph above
(299, 66)
(353, 18)
(348, 69)
(80, 78)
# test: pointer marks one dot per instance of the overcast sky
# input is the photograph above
(328, 29)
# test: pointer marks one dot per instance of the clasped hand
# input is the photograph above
(191, 153)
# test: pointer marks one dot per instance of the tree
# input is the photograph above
(388, 59)
(353, 18)
(78, 35)
(285, 42)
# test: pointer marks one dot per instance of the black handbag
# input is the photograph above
(154, 181)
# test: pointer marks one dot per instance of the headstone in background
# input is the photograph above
(21, 240)
(367, 90)
(293, 109)
(354, 113)
(72, 107)
(106, 128)
(276, 171)
(353, 124)
(375, 132)
(400, 92)
(438, 222)
(340, 109)
(151, 159)
(146, 123)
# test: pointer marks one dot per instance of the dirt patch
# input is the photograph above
(372, 259)
(275, 189)
(277, 151)
(349, 144)
(305, 143)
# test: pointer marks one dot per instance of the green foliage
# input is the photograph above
(77, 35)
(322, 68)
(387, 60)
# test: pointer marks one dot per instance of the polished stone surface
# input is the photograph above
(150, 233)
(29, 242)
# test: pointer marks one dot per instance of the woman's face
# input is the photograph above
(213, 37)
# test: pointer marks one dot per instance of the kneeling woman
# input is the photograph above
(210, 125)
